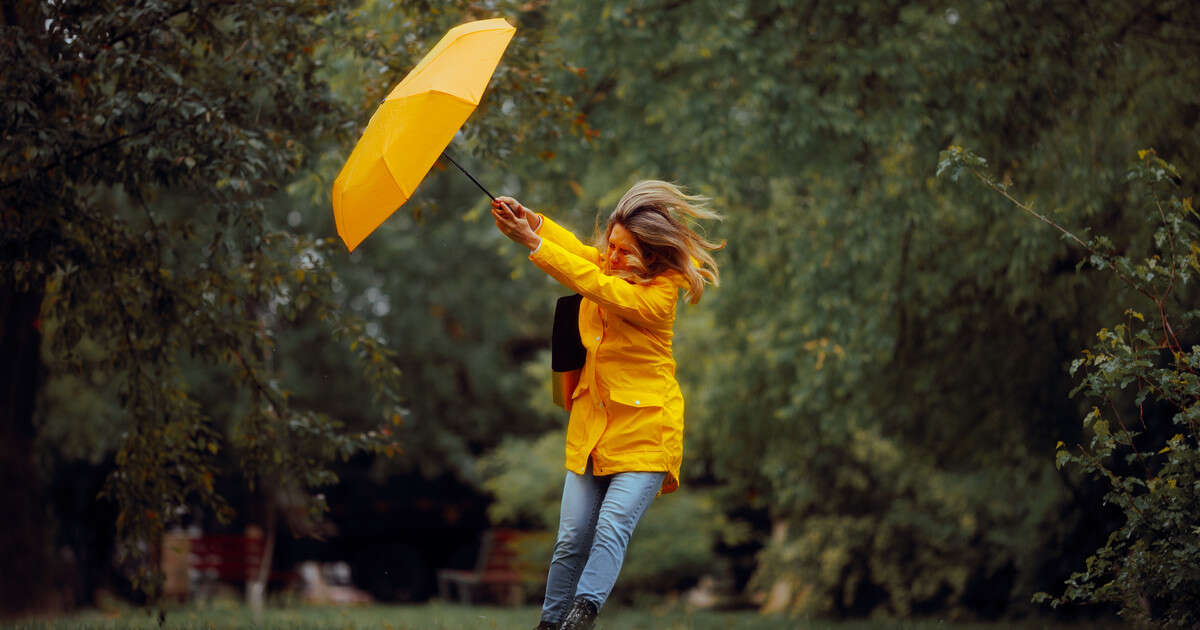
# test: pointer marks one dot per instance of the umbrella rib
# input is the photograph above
(454, 96)
(424, 63)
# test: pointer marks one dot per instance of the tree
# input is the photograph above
(143, 139)
(185, 167)
(1141, 375)
(890, 351)
(436, 280)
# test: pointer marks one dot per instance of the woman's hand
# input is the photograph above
(520, 211)
(516, 221)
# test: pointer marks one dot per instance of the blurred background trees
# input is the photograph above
(890, 374)
(874, 393)
(143, 142)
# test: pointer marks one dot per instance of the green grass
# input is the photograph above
(451, 617)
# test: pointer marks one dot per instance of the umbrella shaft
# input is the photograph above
(485, 191)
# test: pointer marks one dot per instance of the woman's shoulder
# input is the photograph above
(671, 277)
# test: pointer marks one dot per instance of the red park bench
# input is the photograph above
(225, 557)
(496, 566)
(231, 558)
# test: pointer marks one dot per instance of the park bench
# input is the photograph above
(225, 557)
(496, 566)
(222, 558)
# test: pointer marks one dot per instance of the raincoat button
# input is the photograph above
(637, 402)
(597, 339)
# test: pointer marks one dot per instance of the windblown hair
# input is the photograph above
(652, 211)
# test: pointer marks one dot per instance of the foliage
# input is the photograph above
(884, 354)
(171, 201)
(524, 476)
(436, 281)
(150, 135)
(1141, 375)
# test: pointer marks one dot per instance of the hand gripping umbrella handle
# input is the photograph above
(485, 191)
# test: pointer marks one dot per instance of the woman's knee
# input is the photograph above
(573, 540)
(615, 530)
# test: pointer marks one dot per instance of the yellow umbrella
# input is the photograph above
(413, 125)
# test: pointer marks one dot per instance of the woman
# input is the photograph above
(625, 434)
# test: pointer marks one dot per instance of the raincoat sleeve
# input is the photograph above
(549, 230)
(651, 304)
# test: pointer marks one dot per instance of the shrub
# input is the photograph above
(1141, 376)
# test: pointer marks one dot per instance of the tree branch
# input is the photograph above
(987, 181)
(131, 32)
(86, 152)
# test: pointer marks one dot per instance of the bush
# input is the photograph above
(1141, 376)
(940, 545)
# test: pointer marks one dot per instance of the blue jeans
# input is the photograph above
(594, 527)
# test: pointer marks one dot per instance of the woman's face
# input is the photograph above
(621, 243)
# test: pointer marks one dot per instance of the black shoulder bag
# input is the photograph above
(567, 354)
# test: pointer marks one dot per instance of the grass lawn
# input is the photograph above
(452, 617)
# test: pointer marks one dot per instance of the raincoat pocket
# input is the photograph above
(633, 433)
(636, 398)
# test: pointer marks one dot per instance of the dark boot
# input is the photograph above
(581, 616)
(546, 625)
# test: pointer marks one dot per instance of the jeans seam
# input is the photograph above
(646, 498)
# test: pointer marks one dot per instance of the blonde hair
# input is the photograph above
(651, 210)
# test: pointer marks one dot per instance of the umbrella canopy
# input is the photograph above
(413, 125)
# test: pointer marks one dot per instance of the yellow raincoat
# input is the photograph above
(627, 411)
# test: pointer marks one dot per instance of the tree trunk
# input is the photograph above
(256, 588)
(26, 557)
(780, 596)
